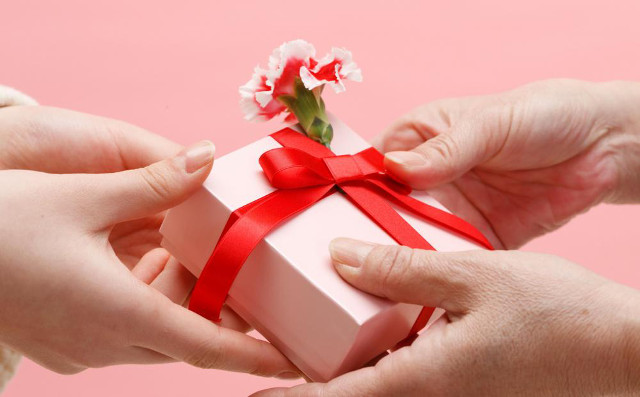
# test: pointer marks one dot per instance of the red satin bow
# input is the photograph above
(305, 172)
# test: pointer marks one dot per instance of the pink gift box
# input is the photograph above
(288, 289)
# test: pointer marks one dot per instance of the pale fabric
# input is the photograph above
(8, 358)
(8, 364)
(10, 97)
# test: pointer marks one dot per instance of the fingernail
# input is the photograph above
(346, 251)
(409, 159)
(288, 375)
(198, 156)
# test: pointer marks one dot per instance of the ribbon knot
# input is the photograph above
(344, 168)
(292, 168)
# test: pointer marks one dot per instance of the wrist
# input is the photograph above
(620, 116)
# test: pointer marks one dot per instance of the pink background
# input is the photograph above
(175, 70)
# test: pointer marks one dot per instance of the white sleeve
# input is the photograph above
(10, 97)
(8, 364)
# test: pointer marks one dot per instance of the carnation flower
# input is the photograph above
(293, 84)
(332, 69)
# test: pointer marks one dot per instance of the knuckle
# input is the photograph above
(207, 355)
(444, 145)
(500, 120)
(391, 264)
(158, 182)
(260, 368)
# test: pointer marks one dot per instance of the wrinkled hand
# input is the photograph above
(522, 163)
(517, 324)
(67, 242)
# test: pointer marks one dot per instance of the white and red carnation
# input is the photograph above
(292, 60)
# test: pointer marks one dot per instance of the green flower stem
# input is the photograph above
(308, 107)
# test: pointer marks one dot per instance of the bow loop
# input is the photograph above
(290, 168)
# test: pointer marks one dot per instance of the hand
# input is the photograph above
(61, 141)
(517, 324)
(522, 163)
(67, 300)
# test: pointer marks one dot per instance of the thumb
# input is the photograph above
(138, 193)
(440, 159)
(451, 281)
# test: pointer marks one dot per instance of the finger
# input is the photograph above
(397, 137)
(49, 141)
(174, 281)
(146, 191)
(230, 319)
(364, 382)
(151, 265)
(138, 355)
(417, 126)
(451, 281)
(442, 158)
(183, 335)
(376, 359)
(165, 274)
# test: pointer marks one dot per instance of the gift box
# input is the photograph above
(287, 288)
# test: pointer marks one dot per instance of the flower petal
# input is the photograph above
(256, 99)
(284, 65)
(332, 69)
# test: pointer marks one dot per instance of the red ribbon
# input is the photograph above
(305, 172)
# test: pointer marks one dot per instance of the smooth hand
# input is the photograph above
(517, 324)
(60, 141)
(522, 163)
(84, 283)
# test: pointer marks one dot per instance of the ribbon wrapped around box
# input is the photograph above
(273, 207)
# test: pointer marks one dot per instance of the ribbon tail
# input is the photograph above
(383, 214)
(441, 218)
(240, 238)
